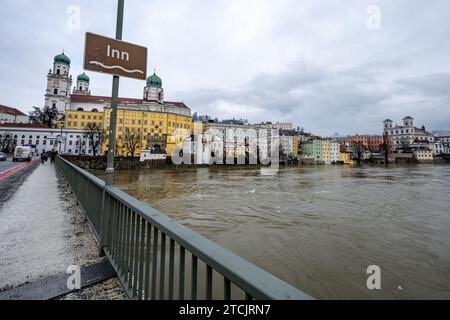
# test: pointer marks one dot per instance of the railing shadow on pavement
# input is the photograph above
(156, 257)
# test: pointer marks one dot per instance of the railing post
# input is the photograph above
(104, 222)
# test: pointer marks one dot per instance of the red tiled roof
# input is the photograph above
(9, 110)
(102, 99)
(23, 125)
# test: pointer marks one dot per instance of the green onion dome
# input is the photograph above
(62, 58)
(83, 77)
(154, 81)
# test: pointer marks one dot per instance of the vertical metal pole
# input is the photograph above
(114, 102)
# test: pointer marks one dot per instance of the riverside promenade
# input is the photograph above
(42, 232)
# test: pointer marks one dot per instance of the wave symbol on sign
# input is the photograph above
(115, 67)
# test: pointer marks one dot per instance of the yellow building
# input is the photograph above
(423, 154)
(168, 128)
(80, 119)
(295, 146)
(325, 151)
(345, 158)
(154, 124)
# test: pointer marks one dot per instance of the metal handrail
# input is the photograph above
(124, 226)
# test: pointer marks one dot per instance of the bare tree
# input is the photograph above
(47, 116)
(131, 140)
(358, 150)
(96, 136)
(5, 142)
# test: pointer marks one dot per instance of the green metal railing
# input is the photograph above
(157, 258)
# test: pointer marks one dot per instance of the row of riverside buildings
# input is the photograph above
(150, 123)
(156, 126)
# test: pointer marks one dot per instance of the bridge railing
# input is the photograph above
(157, 258)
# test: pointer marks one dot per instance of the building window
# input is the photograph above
(44, 142)
(55, 91)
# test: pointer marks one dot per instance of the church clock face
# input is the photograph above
(56, 82)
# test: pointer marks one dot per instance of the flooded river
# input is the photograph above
(318, 228)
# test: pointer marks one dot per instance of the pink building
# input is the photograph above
(371, 143)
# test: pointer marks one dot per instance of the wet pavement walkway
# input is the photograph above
(43, 232)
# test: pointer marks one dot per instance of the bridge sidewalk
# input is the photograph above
(43, 231)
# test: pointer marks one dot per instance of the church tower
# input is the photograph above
(82, 86)
(154, 91)
(388, 124)
(59, 83)
(408, 121)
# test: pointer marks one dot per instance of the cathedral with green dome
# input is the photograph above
(61, 95)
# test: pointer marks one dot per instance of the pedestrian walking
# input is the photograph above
(43, 157)
(52, 156)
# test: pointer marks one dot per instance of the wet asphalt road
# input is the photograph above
(9, 185)
(8, 164)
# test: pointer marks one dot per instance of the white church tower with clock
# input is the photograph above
(59, 83)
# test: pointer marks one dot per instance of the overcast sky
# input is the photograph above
(323, 65)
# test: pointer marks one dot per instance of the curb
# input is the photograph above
(11, 171)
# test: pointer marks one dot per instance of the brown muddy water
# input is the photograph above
(318, 228)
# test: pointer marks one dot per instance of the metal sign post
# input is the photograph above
(121, 59)
(114, 101)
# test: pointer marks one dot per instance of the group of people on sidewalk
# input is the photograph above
(48, 154)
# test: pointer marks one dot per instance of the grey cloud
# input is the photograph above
(313, 63)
